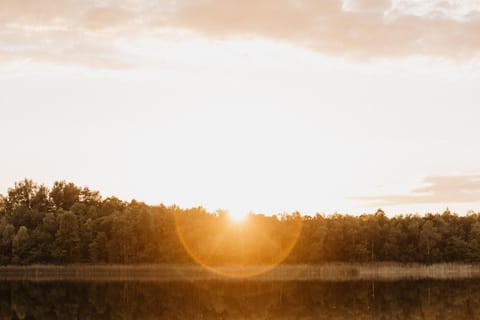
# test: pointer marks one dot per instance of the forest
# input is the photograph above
(68, 224)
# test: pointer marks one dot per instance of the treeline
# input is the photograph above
(70, 224)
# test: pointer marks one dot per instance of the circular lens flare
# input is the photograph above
(237, 250)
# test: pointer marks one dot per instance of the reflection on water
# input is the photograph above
(241, 300)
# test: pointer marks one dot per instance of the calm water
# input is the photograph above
(241, 300)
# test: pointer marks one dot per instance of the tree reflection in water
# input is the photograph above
(241, 300)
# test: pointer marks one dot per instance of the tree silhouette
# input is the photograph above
(70, 224)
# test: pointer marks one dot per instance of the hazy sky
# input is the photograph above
(265, 106)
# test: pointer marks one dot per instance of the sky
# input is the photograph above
(265, 106)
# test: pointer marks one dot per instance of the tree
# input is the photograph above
(98, 248)
(70, 224)
(26, 203)
(21, 246)
(41, 242)
(373, 230)
(67, 240)
(50, 223)
(28, 194)
(64, 195)
(8, 233)
(429, 236)
(474, 242)
(2, 205)
(21, 195)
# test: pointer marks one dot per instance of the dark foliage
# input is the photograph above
(69, 224)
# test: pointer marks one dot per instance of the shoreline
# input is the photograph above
(382, 271)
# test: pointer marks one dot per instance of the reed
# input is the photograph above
(168, 272)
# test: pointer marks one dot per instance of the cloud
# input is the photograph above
(436, 189)
(89, 30)
(368, 5)
(358, 29)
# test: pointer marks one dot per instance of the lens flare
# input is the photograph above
(237, 250)
(238, 217)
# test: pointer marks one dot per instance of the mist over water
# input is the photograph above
(245, 299)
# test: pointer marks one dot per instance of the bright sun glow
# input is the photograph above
(238, 217)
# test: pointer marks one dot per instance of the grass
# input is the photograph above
(164, 273)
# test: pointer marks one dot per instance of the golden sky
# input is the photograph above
(264, 106)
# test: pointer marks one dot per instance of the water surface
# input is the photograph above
(420, 299)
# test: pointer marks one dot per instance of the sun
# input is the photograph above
(238, 217)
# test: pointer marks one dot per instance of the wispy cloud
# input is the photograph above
(87, 31)
(436, 189)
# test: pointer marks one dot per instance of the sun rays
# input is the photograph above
(238, 217)
(237, 245)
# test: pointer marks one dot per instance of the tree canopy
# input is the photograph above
(70, 224)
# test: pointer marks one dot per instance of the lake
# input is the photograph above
(241, 299)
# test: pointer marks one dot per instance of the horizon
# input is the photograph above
(239, 217)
